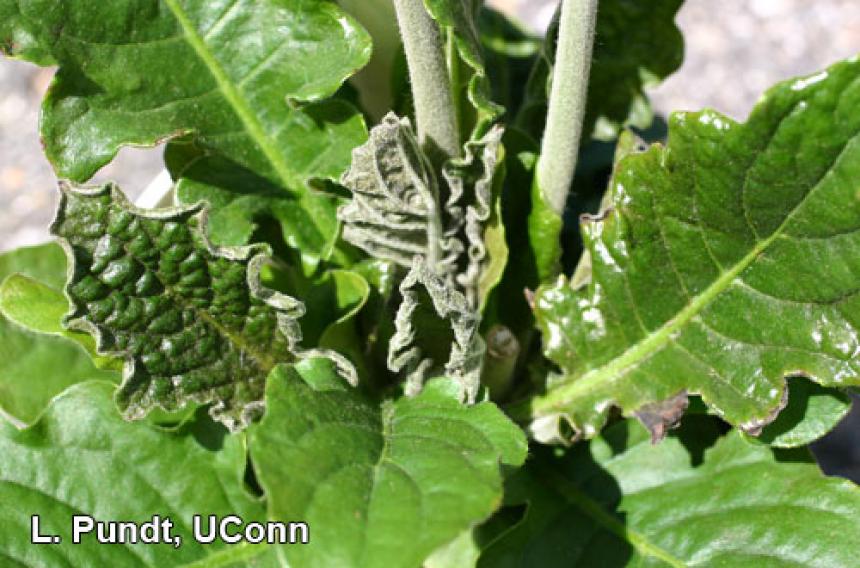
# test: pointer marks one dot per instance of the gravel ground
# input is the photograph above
(733, 53)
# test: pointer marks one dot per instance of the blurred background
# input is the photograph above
(735, 49)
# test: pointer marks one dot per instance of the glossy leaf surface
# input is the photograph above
(82, 458)
(234, 76)
(380, 485)
(725, 262)
(621, 501)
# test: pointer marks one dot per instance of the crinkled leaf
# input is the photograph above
(622, 502)
(435, 324)
(394, 213)
(35, 367)
(637, 45)
(379, 485)
(451, 240)
(191, 319)
(400, 211)
(726, 262)
(81, 458)
(474, 238)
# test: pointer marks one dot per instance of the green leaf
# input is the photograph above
(241, 199)
(336, 299)
(38, 307)
(509, 50)
(35, 367)
(380, 485)
(45, 263)
(637, 45)
(232, 75)
(812, 411)
(726, 261)
(81, 458)
(18, 36)
(139, 72)
(620, 501)
(191, 320)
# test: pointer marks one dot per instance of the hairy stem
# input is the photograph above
(435, 115)
(560, 145)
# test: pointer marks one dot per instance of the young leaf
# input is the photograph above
(81, 458)
(380, 485)
(622, 502)
(399, 211)
(637, 45)
(394, 213)
(726, 262)
(450, 238)
(435, 323)
(192, 320)
(38, 358)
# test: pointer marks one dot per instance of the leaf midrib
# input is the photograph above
(573, 495)
(235, 98)
(563, 395)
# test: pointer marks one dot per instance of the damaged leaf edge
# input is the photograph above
(288, 309)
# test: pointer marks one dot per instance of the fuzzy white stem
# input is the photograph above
(561, 139)
(435, 116)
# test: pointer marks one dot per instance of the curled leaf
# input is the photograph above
(444, 235)
(421, 340)
(192, 320)
(394, 213)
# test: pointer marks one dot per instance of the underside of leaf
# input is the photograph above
(435, 323)
(400, 213)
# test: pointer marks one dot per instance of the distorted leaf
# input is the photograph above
(191, 319)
